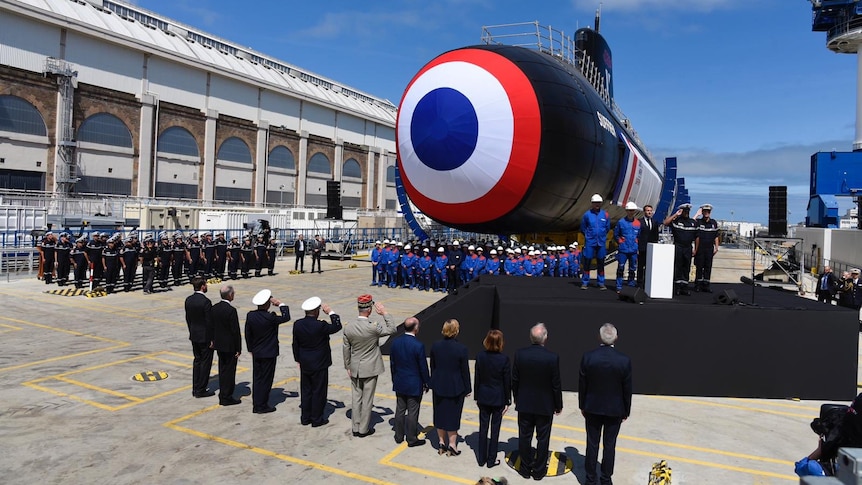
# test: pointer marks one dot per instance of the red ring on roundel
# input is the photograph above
(508, 192)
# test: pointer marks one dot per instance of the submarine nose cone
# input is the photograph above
(468, 136)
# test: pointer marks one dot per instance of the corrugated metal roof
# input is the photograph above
(119, 21)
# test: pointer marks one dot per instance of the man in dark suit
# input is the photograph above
(538, 397)
(605, 400)
(317, 247)
(261, 340)
(299, 248)
(228, 343)
(199, 321)
(410, 378)
(827, 286)
(649, 234)
(311, 351)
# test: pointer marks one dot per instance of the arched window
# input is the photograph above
(390, 174)
(351, 169)
(19, 116)
(105, 129)
(234, 150)
(280, 157)
(319, 163)
(178, 140)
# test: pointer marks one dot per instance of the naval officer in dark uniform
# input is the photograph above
(311, 351)
(261, 340)
(684, 230)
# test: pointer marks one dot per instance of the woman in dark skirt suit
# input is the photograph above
(493, 394)
(450, 383)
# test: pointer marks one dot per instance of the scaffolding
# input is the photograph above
(66, 174)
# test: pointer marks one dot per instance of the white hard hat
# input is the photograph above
(531, 253)
(493, 251)
(631, 206)
(544, 252)
(386, 241)
(596, 198)
(518, 250)
(456, 243)
(471, 248)
(441, 250)
(499, 248)
(377, 242)
(406, 246)
(575, 243)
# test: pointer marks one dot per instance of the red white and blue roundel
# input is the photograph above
(468, 136)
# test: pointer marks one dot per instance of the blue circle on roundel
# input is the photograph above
(444, 129)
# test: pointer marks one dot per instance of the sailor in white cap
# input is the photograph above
(311, 351)
(595, 226)
(220, 254)
(705, 246)
(64, 264)
(47, 246)
(79, 260)
(375, 262)
(684, 230)
(261, 340)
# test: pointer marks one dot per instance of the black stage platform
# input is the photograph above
(783, 346)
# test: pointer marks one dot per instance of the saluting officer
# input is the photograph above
(684, 230)
(705, 246)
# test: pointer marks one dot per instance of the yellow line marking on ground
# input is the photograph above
(70, 396)
(669, 458)
(730, 406)
(173, 362)
(98, 389)
(797, 406)
(641, 440)
(388, 461)
(118, 345)
(174, 424)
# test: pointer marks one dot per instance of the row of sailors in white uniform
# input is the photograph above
(393, 267)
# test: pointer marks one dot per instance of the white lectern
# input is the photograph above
(659, 270)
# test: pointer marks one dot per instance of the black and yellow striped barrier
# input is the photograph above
(558, 463)
(660, 474)
(96, 292)
(214, 281)
(67, 291)
(150, 376)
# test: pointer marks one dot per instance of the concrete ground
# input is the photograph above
(71, 412)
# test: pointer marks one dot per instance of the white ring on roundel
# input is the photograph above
(479, 173)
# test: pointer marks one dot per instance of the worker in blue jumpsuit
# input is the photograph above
(375, 261)
(441, 271)
(684, 230)
(626, 233)
(468, 264)
(705, 246)
(492, 266)
(393, 265)
(423, 270)
(408, 261)
(595, 225)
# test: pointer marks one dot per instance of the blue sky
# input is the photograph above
(742, 92)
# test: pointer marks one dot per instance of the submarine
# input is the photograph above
(502, 138)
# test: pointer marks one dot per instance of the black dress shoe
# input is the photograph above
(539, 475)
(322, 423)
(363, 435)
(206, 393)
(229, 401)
(416, 443)
(492, 464)
(305, 423)
(264, 410)
(525, 471)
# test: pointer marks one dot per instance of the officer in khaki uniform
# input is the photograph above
(363, 360)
